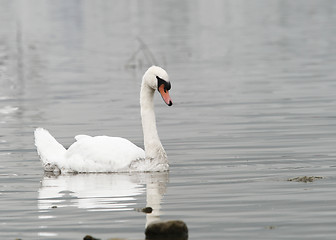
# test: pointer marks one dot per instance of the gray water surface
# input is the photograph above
(254, 92)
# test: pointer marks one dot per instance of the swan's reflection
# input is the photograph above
(103, 192)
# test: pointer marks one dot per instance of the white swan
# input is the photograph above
(113, 154)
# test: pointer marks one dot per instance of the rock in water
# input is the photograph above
(88, 237)
(167, 230)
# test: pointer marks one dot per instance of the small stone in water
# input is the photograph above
(88, 237)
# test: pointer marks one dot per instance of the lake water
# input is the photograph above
(254, 92)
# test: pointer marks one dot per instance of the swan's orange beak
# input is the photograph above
(165, 95)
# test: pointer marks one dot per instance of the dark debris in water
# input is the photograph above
(304, 179)
(144, 210)
(88, 237)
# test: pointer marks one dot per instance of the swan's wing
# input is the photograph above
(82, 136)
(102, 154)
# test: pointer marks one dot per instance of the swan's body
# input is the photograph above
(112, 154)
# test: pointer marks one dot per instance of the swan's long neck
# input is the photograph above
(153, 146)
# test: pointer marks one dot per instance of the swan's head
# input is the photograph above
(157, 78)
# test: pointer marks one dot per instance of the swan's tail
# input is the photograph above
(50, 151)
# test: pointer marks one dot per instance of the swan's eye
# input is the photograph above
(167, 85)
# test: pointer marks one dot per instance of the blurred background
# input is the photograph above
(253, 87)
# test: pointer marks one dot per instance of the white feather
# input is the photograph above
(48, 148)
